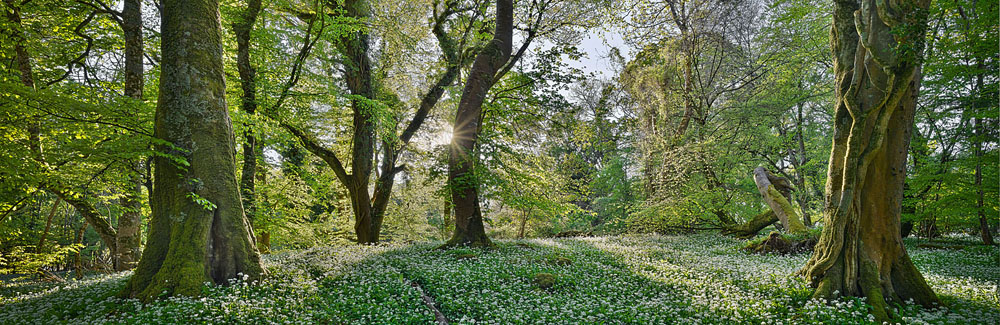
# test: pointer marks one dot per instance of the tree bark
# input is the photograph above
(198, 232)
(775, 192)
(877, 48)
(469, 229)
(248, 104)
(979, 130)
(48, 226)
(128, 238)
(752, 227)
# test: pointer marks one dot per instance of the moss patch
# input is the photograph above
(544, 280)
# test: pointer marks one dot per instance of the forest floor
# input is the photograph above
(699, 278)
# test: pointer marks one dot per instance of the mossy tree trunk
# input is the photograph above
(877, 47)
(469, 229)
(128, 238)
(752, 227)
(777, 194)
(198, 232)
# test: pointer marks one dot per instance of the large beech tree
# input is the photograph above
(877, 47)
(198, 232)
(469, 228)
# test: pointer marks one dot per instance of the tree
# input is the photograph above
(877, 50)
(469, 228)
(776, 192)
(198, 232)
(369, 208)
(248, 104)
(40, 166)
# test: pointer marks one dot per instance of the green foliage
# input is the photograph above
(955, 114)
(627, 279)
(19, 260)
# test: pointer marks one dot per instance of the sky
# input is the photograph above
(596, 46)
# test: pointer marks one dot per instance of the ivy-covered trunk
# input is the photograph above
(469, 229)
(877, 48)
(198, 232)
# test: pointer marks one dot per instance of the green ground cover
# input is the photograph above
(701, 278)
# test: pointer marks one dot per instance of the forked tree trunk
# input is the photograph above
(775, 192)
(198, 232)
(369, 208)
(128, 238)
(877, 47)
(524, 224)
(469, 229)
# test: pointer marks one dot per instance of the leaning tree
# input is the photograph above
(198, 232)
(877, 47)
(491, 59)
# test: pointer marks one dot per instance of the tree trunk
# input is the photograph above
(78, 258)
(358, 76)
(198, 232)
(248, 103)
(775, 191)
(48, 226)
(524, 224)
(752, 227)
(469, 229)
(800, 178)
(979, 130)
(860, 251)
(391, 149)
(128, 239)
(447, 216)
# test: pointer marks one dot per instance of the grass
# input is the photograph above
(701, 278)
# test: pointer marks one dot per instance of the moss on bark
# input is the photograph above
(198, 231)
(876, 65)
